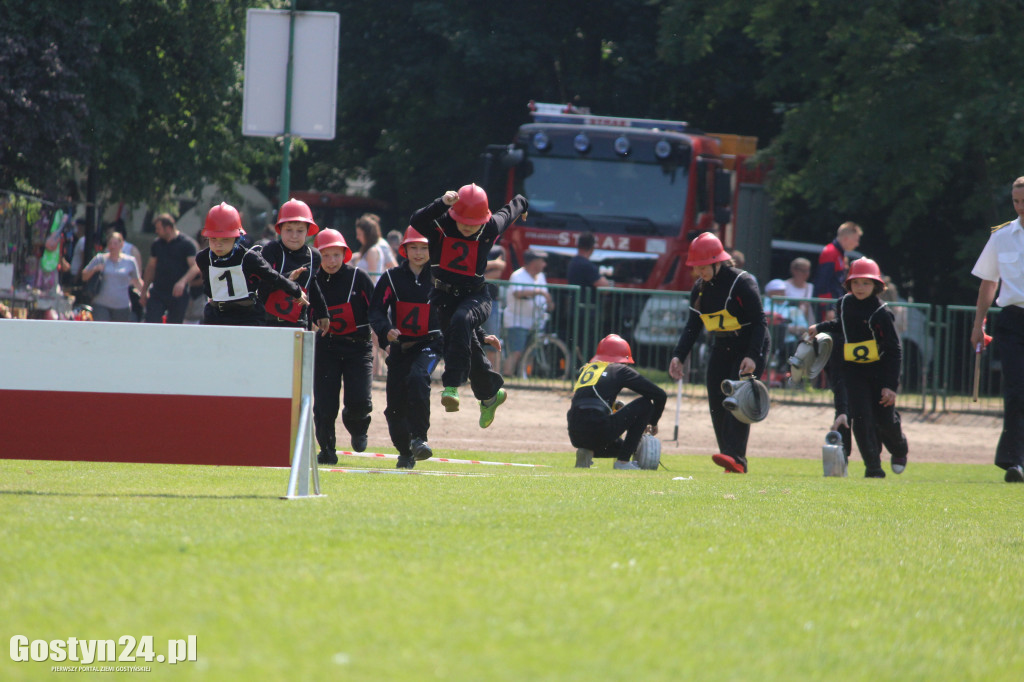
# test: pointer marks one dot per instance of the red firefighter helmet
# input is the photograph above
(613, 348)
(411, 237)
(297, 211)
(863, 268)
(705, 250)
(471, 208)
(332, 239)
(223, 221)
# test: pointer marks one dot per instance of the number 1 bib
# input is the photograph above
(228, 284)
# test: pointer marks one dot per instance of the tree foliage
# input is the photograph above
(899, 115)
(147, 91)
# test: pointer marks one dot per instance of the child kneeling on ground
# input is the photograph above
(595, 427)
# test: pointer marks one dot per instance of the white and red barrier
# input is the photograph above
(176, 394)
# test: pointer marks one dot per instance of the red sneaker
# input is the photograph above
(730, 465)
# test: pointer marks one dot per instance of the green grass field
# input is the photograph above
(525, 574)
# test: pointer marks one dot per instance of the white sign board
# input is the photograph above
(314, 73)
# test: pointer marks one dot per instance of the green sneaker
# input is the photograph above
(450, 399)
(487, 411)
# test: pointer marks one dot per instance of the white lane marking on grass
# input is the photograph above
(383, 455)
(403, 472)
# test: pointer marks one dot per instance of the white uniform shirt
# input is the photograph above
(1002, 259)
(528, 312)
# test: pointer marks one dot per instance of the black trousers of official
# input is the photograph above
(464, 357)
(408, 392)
(727, 352)
(338, 360)
(601, 431)
(1008, 332)
(873, 425)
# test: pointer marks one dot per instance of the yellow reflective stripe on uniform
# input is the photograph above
(721, 321)
(998, 227)
(589, 375)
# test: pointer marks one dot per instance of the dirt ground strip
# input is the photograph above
(534, 421)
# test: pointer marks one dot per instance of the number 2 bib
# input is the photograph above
(228, 284)
(459, 256)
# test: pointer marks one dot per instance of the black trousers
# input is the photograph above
(602, 432)
(727, 352)
(1008, 333)
(336, 361)
(464, 357)
(236, 316)
(873, 425)
(408, 392)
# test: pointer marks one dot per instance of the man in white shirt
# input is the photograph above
(1002, 260)
(527, 304)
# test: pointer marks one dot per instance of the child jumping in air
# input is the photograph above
(460, 231)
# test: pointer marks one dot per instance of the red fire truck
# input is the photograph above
(644, 187)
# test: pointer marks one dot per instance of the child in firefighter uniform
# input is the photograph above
(344, 353)
(405, 324)
(870, 371)
(726, 303)
(595, 428)
(293, 258)
(232, 274)
(460, 231)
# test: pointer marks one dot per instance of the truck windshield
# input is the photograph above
(610, 195)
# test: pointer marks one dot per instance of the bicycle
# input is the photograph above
(546, 357)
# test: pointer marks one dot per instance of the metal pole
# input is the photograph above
(286, 174)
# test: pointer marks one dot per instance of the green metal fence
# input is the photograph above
(937, 358)
(955, 384)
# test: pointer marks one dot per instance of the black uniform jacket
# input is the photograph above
(615, 376)
(865, 321)
(256, 271)
(736, 292)
(401, 301)
(347, 294)
(285, 261)
(457, 260)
